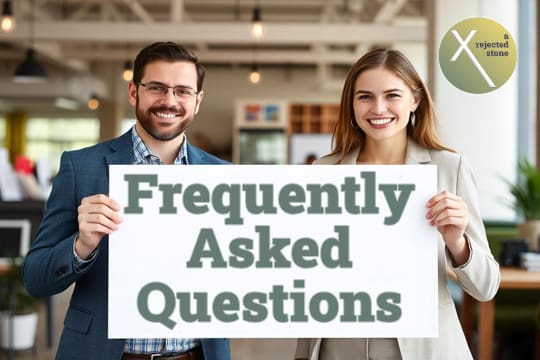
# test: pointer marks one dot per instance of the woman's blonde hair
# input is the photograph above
(347, 136)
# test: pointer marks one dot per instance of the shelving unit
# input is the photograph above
(263, 129)
(260, 132)
(313, 118)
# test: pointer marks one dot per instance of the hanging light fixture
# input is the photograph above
(8, 21)
(256, 22)
(128, 72)
(30, 70)
(254, 75)
(93, 102)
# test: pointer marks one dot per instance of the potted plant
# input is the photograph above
(526, 193)
(18, 310)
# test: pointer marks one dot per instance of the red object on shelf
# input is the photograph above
(23, 165)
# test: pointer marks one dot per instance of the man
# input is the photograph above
(71, 243)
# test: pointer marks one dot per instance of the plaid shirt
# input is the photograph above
(143, 155)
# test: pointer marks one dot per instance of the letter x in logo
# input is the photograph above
(463, 47)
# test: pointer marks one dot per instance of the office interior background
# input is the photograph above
(302, 57)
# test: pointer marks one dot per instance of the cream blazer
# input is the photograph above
(479, 276)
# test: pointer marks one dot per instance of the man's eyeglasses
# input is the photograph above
(159, 89)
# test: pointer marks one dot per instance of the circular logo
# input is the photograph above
(477, 55)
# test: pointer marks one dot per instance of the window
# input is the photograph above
(48, 138)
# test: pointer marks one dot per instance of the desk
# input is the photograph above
(511, 278)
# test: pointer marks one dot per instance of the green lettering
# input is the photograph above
(135, 193)
(223, 303)
(162, 317)
(350, 188)
(389, 310)
(167, 193)
(267, 206)
(241, 256)
(396, 204)
(290, 194)
(332, 199)
(332, 307)
(268, 253)
(184, 303)
(206, 237)
(349, 307)
(193, 194)
(303, 248)
(231, 207)
(340, 245)
(254, 310)
(370, 205)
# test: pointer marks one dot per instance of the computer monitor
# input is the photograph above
(14, 239)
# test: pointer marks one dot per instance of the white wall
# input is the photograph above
(482, 127)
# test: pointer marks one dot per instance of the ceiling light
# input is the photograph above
(66, 103)
(254, 75)
(7, 22)
(128, 72)
(30, 70)
(257, 27)
(93, 102)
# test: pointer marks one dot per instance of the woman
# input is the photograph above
(387, 117)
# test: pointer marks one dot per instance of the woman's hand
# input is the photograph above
(449, 213)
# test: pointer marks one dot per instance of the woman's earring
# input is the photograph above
(412, 118)
(354, 124)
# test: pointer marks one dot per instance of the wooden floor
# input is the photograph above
(245, 349)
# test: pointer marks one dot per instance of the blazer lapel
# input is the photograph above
(350, 158)
(416, 154)
(195, 155)
(121, 150)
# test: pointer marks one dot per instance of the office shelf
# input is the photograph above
(263, 128)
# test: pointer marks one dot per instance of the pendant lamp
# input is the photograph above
(256, 22)
(7, 23)
(30, 70)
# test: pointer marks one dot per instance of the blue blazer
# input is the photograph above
(49, 265)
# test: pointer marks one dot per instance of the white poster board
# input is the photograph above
(273, 251)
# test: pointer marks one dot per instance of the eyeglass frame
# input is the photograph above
(166, 89)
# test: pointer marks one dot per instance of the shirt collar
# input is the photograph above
(143, 155)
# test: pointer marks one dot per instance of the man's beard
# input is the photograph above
(144, 118)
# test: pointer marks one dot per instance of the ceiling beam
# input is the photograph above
(177, 11)
(225, 33)
(388, 11)
(81, 11)
(245, 56)
(54, 52)
(139, 10)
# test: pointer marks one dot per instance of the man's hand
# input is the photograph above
(98, 216)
